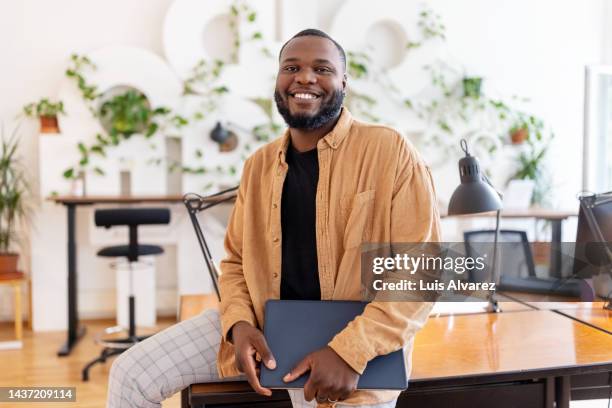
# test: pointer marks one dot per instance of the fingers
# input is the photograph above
(310, 390)
(248, 364)
(262, 348)
(300, 369)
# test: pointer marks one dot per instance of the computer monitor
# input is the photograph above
(591, 255)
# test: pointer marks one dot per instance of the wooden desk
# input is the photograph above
(74, 332)
(524, 358)
(597, 317)
(589, 313)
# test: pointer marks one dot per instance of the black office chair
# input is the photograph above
(516, 258)
(516, 265)
(132, 218)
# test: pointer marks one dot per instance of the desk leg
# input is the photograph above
(562, 391)
(549, 401)
(555, 249)
(74, 332)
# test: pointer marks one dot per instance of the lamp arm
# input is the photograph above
(195, 204)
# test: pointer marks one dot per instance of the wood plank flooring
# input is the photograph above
(36, 364)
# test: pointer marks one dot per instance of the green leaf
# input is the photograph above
(68, 174)
(98, 150)
(82, 148)
(152, 128)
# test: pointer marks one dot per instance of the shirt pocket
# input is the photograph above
(357, 210)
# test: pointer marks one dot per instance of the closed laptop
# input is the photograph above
(296, 328)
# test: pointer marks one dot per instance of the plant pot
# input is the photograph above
(8, 263)
(519, 136)
(48, 124)
(541, 252)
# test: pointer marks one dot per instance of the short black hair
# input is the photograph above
(317, 33)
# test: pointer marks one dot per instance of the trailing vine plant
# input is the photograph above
(123, 115)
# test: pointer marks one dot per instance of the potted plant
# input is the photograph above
(531, 167)
(47, 112)
(127, 113)
(14, 189)
(524, 126)
(471, 87)
(519, 133)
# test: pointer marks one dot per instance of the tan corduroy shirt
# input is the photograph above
(373, 187)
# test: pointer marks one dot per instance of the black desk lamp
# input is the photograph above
(476, 195)
(196, 203)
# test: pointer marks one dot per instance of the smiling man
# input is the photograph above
(306, 203)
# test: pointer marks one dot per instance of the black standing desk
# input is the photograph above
(74, 331)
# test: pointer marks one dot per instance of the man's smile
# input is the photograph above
(302, 95)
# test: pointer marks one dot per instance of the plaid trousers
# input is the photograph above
(162, 365)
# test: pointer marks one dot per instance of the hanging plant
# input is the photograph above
(471, 87)
(89, 92)
(430, 25)
(129, 113)
(121, 116)
(524, 127)
(47, 112)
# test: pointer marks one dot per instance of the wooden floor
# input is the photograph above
(36, 364)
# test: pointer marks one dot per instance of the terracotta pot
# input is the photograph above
(519, 136)
(541, 252)
(48, 124)
(8, 262)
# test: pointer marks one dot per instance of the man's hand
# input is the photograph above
(331, 378)
(248, 341)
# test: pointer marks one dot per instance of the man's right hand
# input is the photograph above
(249, 341)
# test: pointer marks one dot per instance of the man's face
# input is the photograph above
(310, 82)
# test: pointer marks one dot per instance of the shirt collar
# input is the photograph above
(333, 139)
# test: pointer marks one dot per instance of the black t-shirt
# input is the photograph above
(300, 272)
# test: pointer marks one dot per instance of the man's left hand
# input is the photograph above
(331, 378)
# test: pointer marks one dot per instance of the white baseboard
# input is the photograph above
(11, 345)
(94, 303)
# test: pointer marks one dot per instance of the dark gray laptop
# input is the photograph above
(295, 328)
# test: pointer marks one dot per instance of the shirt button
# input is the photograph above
(274, 206)
(275, 239)
(275, 275)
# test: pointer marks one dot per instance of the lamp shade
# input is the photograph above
(474, 194)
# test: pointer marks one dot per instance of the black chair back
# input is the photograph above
(131, 216)
(514, 251)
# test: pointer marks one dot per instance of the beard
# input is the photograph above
(329, 110)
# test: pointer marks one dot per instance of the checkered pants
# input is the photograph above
(164, 364)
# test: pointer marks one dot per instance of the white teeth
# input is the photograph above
(304, 96)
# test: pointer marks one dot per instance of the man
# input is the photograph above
(306, 203)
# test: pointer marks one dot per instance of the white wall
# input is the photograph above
(534, 49)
